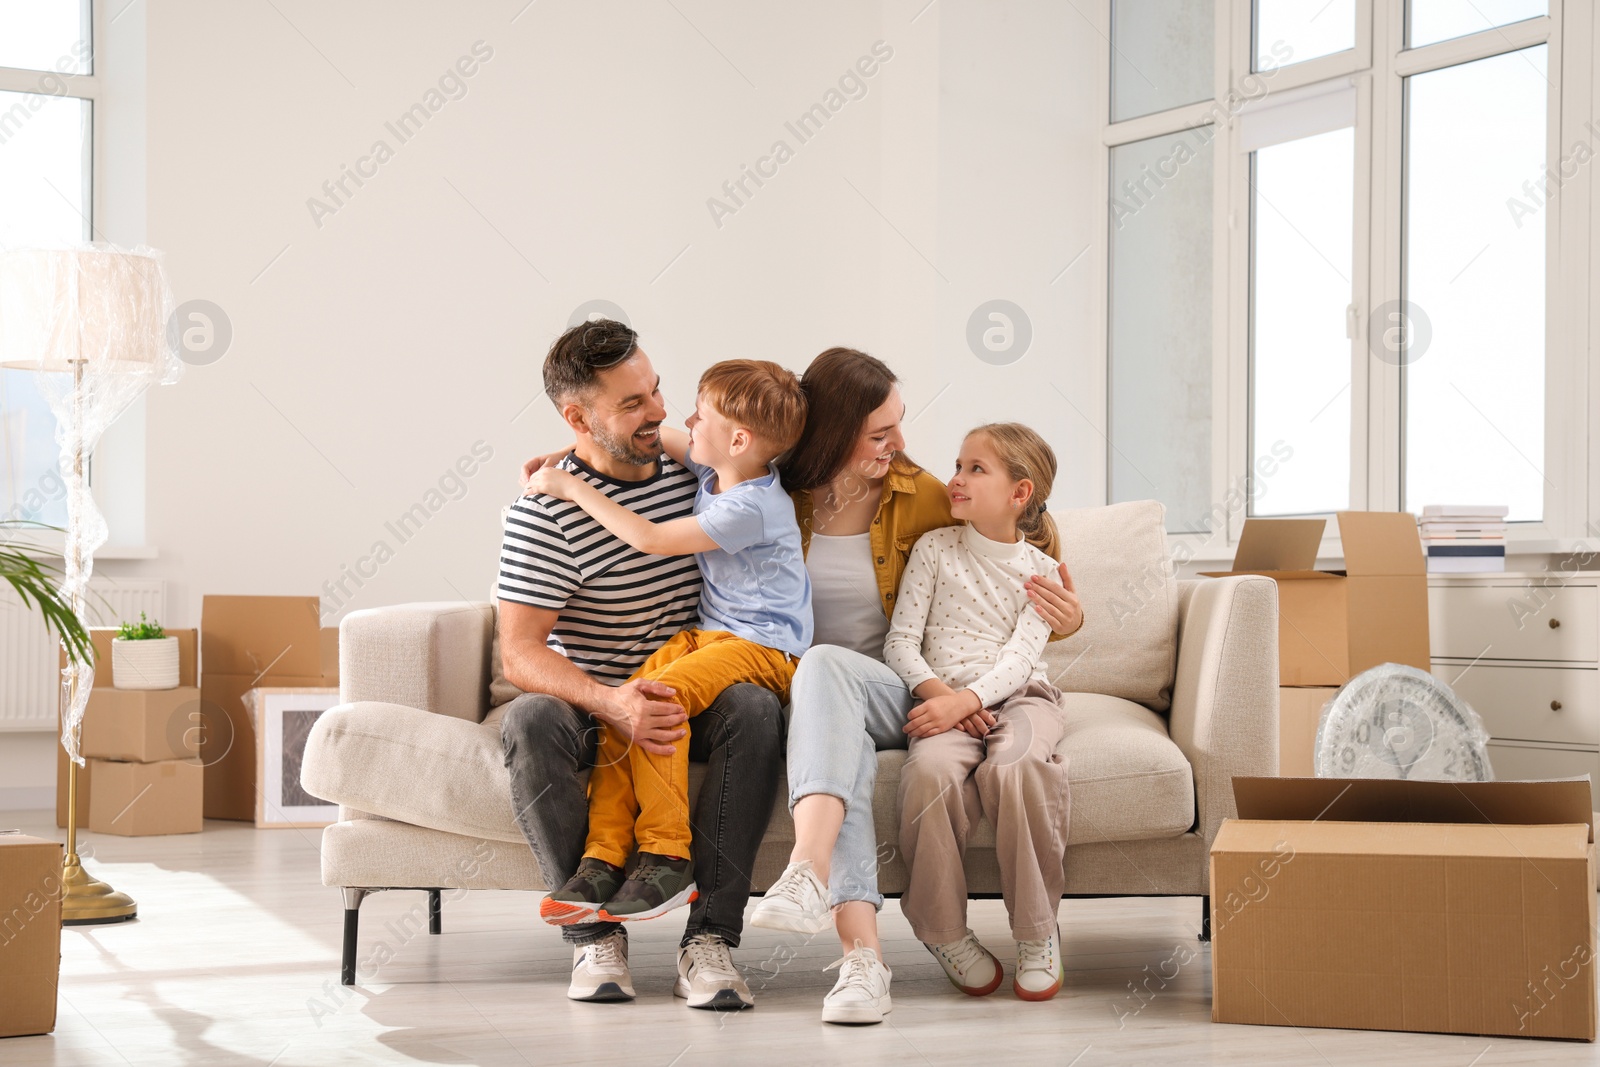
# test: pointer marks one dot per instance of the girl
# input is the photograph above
(963, 640)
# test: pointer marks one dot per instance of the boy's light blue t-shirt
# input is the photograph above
(756, 585)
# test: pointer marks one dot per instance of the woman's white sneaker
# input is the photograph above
(970, 967)
(600, 969)
(797, 902)
(861, 995)
(1039, 968)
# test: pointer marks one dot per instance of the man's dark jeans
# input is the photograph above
(548, 743)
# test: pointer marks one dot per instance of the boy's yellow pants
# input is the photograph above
(637, 798)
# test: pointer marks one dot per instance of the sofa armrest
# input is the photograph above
(429, 656)
(1225, 698)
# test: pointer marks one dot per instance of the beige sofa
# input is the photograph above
(413, 755)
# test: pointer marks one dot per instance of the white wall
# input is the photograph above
(372, 351)
(378, 347)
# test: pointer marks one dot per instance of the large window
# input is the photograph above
(1160, 415)
(1474, 273)
(1342, 298)
(47, 97)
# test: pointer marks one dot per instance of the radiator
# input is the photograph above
(30, 654)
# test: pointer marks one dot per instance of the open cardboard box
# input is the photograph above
(1334, 624)
(1447, 907)
(249, 641)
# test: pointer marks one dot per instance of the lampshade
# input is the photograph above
(103, 306)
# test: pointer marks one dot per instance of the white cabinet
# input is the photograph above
(1524, 650)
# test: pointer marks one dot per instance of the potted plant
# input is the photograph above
(35, 585)
(144, 657)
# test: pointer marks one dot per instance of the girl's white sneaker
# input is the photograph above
(970, 967)
(1040, 970)
(797, 902)
(861, 995)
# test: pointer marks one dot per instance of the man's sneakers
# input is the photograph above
(707, 977)
(581, 896)
(657, 885)
(797, 902)
(1039, 968)
(600, 969)
(970, 967)
(861, 995)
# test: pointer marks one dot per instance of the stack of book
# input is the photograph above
(1464, 539)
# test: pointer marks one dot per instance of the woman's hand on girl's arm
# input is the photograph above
(1056, 602)
(548, 460)
(940, 713)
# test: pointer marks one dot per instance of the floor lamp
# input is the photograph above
(91, 322)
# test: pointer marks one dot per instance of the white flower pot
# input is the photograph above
(151, 664)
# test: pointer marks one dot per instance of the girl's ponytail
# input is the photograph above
(1039, 529)
(1027, 455)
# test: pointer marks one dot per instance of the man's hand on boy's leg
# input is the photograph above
(643, 711)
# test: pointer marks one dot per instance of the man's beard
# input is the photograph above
(627, 449)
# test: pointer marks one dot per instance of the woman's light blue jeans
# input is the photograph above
(844, 708)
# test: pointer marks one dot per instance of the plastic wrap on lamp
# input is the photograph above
(1395, 721)
(92, 322)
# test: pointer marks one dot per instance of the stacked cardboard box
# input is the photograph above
(132, 725)
(142, 746)
(245, 642)
(1451, 907)
(1334, 624)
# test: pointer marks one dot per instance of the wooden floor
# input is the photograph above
(234, 960)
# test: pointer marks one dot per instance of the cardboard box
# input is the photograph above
(142, 725)
(141, 799)
(249, 641)
(1334, 624)
(30, 934)
(188, 675)
(1299, 712)
(1445, 907)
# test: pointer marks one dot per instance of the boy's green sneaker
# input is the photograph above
(590, 886)
(657, 885)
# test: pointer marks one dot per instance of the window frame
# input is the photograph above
(1377, 68)
(123, 513)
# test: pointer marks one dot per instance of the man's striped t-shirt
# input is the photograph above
(616, 604)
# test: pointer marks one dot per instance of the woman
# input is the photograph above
(862, 504)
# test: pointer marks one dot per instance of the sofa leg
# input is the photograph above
(435, 912)
(352, 921)
(1205, 918)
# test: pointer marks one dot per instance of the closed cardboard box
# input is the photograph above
(245, 642)
(30, 934)
(141, 799)
(1447, 907)
(1299, 712)
(188, 675)
(1334, 624)
(142, 725)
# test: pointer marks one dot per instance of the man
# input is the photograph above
(579, 612)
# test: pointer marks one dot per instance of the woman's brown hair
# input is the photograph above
(842, 387)
(1027, 455)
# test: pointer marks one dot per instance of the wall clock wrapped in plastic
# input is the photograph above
(1395, 721)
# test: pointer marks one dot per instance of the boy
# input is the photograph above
(755, 622)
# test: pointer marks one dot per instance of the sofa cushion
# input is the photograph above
(501, 691)
(1128, 780)
(1128, 644)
